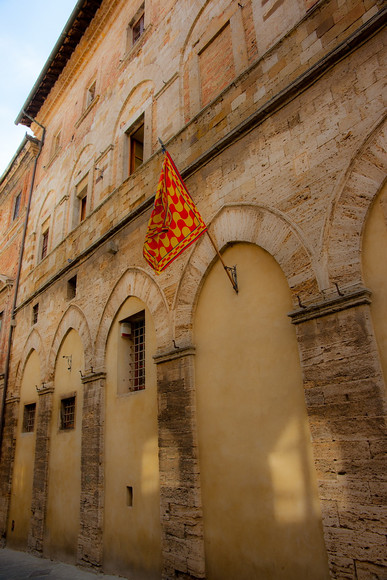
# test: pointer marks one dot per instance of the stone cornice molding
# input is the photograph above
(92, 376)
(174, 354)
(46, 389)
(355, 298)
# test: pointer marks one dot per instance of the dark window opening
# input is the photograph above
(83, 208)
(138, 28)
(129, 496)
(44, 244)
(72, 288)
(29, 418)
(16, 208)
(35, 313)
(136, 149)
(67, 413)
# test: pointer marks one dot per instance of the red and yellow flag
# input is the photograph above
(175, 222)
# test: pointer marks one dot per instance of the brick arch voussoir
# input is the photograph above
(134, 282)
(365, 177)
(33, 342)
(73, 319)
(251, 224)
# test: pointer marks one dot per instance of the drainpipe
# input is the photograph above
(17, 282)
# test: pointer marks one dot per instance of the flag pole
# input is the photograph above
(230, 271)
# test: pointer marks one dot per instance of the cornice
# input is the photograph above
(355, 298)
(174, 354)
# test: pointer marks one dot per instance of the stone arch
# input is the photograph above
(73, 318)
(363, 180)
(127, 114)
(83, 160)
(134, 282)
(83, 169)
(33, 342)
(45, 210)
(254, 224)
(138, 103)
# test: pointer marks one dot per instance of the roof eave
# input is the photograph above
(66, 43)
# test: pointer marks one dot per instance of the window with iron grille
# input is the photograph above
(138, 28)
(67, 413)
(137, 365)
(29, 418)
(132, 353)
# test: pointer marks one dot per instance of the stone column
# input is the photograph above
(180, 498)
(40, 480)
(6, 463)
(346, 402)
(90, 539)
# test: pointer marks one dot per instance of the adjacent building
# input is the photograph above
(167, 426)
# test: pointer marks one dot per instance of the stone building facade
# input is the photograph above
(165, 426)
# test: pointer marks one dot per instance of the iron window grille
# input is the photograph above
(67, 413)
(137, 360)
(29, 418)
(138, 28)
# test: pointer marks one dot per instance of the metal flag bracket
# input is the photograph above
(233, 272)
(162, 145)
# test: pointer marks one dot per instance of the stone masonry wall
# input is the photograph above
(181, 511)
(266, 161)
(345, 397)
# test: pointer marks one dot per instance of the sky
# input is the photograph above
(28, 33)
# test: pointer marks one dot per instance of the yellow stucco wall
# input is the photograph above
(261, 511)
(131, 533)
(64, 477)
(375, 271)
(20, 510)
